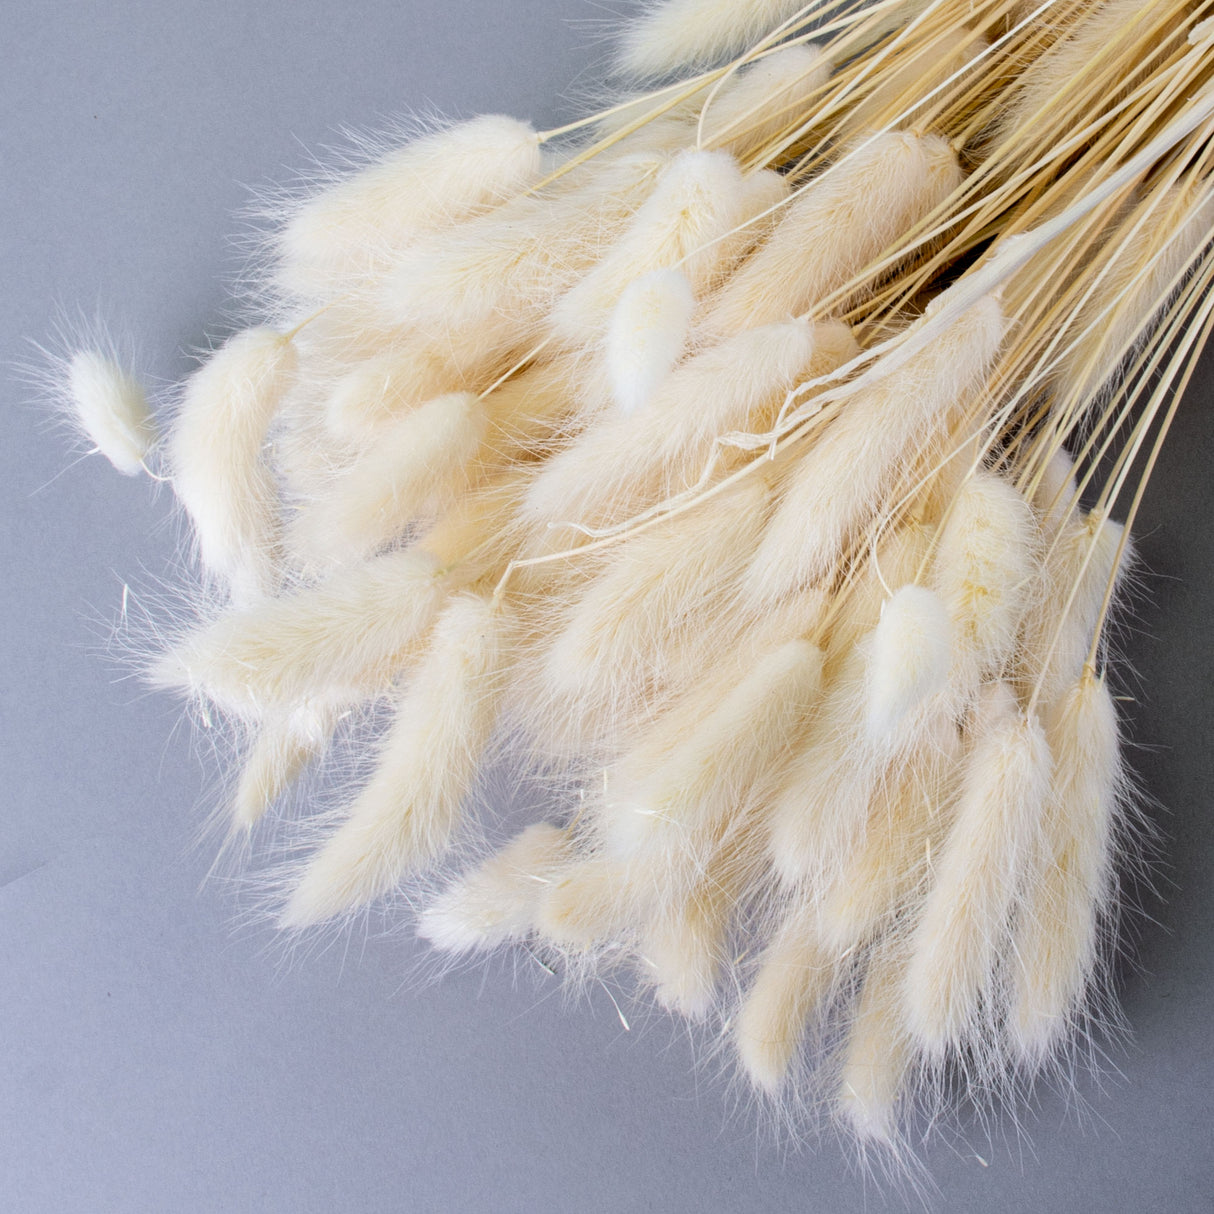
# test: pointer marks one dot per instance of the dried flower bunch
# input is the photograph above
(742, 459)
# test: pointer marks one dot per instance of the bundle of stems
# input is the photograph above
(744, 459)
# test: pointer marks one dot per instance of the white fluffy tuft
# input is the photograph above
(413, 465)
(1055, 951)
(380, 389)
(497, 901)
(481, 288)
(342, 640)
(877, 1053)
(794, 978)
(409, 812)
(706, 777)
(905, 413)
(111, 408)
(354, 228)
(764, 99)
(284, 745)
(673, 35)
(964, 927)
(836, 226)
(647, 335)
(698, 201)
(217, 457)
(987, 569)
(623, 463)
(909, 659)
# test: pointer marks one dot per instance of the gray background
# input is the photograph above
(158, 1057)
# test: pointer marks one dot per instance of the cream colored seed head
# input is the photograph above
(353, 229)
(110, 407)
(409, 812)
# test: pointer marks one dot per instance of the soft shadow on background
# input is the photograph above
(159, 1057)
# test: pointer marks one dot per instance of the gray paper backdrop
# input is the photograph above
(157, 1056)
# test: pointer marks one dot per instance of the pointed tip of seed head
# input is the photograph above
(765, 1062)
(323, 893)
(445, 926)
(871, 1122)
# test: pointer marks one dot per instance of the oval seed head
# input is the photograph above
(698, 201)
(499, 900)
(216, 453)
(987, 569)
(678, 34)
(963, 929)
(684, 946)
(699, 785)
(908, 815)
(819, 808)
(1057, 936)
(1078, 569)
(794, 980)
(283, 747)
(408, 813)
(909, 659)
(877, 1053)
(647, 335)
(621, 464)
(379, 389)
(587, 903)
(763, 99)
(1056, 495)
(609, 642)
(478, 290)
(895, 561)
(840, 484)
(341, 641)
(842, 221)
(111, 408)
(353, 228)
(416, 462)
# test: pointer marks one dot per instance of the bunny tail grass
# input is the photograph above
(499, 900)
(950, 977)
(678, 34)
(877, 1054)
(282, 748)
(911, 652)
(909, 409)
(755, 106)
(215, 451)
(344, 638)
(684, 950)
(794, 979)
(1056, 941)
(647, 335)
(409, 812)
(414, 463)
(111, 410)
(835, 226)
(698, 200)
(708, 774)
(353, 228)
